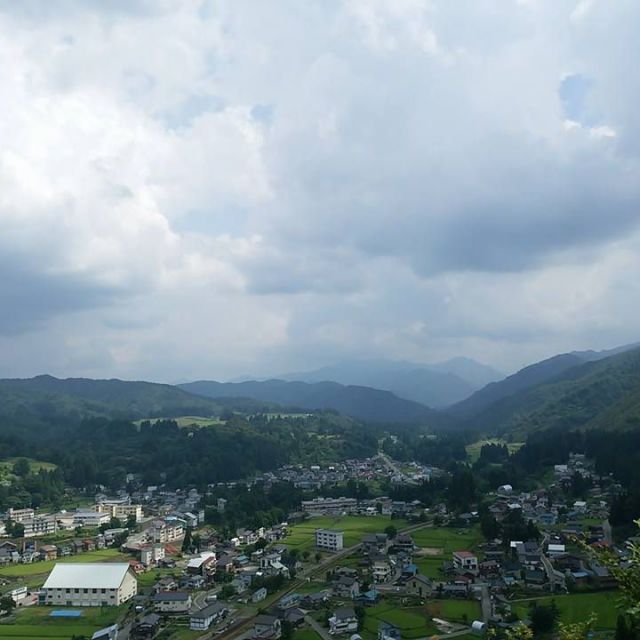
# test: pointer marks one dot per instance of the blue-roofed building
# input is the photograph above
(369, 597)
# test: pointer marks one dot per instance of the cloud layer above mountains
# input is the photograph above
(209, 188)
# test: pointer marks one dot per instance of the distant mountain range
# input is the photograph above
(572, 390)
(46, 397)
(435, 385)
(579, 389)
(360, 402)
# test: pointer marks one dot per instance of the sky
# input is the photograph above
(213, 188)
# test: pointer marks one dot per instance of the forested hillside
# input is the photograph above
(603, 393)
(363, 403)
(44, 398)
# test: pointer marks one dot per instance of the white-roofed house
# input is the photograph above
(90, 584)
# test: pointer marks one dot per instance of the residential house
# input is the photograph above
(343, 620)
(382, 570)
(165, 584)
(346, 587)
(259, 595)
(465, 562)
(293, 615)
(271, 564)
(8, 552)
(172, 602)
(267, 628)
(147, 627)
(374, 543)
(419, 585)
(403, 542)
(202, 564)
(203, 619)
(152, 554)
(387, 631)
(316, 600)
(48, 552)
(602, 577)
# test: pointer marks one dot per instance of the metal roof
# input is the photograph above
(89, 575)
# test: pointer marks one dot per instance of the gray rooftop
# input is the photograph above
(81, 575)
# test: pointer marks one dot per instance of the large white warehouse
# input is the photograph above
(90, 584)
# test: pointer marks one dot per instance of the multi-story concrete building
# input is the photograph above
(40, 526)
(120, 511)
(88, 518)
(330, 505)
(20, 515)
(329, 540)
(167, 530)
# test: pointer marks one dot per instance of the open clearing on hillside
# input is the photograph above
(34, 465)
(473, 450)
(302, 535)
(186, 421)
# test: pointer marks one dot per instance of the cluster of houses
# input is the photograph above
(247, 559)
(382, 505)
(316, 477)
(542, 509)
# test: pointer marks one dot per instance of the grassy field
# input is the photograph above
(577, 607)
(179, 633)
(455, 610)
(190, 421)
(302, 535)
(413, 622)
(473, 450)
(36, 622)
(34, 465)
(305, 634)
(149, 578)
(438, 544)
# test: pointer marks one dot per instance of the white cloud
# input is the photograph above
(192, 187)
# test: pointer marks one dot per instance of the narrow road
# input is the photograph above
(394, 468)
(318, 628)
(487, 605)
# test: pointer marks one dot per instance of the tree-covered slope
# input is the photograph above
(530, 377)
(526, 378)
(603, 393)
(363, 403)
(45, 397)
